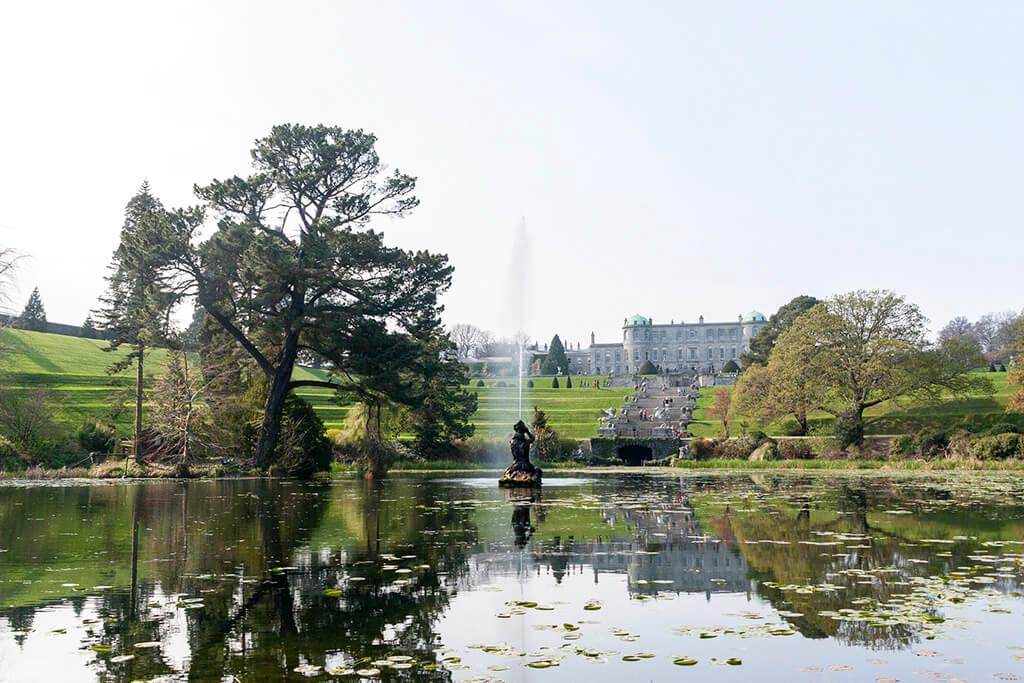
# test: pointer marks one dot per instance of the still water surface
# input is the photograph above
(609, 577)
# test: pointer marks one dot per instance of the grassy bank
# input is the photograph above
(74, 369)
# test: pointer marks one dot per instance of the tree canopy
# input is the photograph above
(293, 267)
(859, 349)
(1016, 374)
(764, 341)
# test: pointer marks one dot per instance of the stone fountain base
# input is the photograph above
(515, 478)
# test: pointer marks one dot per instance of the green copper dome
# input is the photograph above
(637, 320)
(755, 317)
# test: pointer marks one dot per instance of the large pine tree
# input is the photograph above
(34, 315)
(133, 305)
(293, 268)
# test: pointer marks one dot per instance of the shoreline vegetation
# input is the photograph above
(339, 471)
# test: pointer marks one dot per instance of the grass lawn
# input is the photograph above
(571, 411)
(74, 370)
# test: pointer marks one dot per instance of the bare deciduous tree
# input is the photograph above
(468, 340)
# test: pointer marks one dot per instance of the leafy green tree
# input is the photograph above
(133, 309)
(764, 341)
(787, 386)
(33, 317)
(867, 347)
(292, 266)
(1016, 374)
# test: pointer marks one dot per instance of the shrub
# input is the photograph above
(529, 383)
(648, 368)
(1000, 428)
(568, 382)
(556, 448)
(702, 448)
(999, 447)
(739, 448)
(991, 367)
(730, 367)
(501, 383)
(96, 437)
(902, 447)
(795, 449)
(758, 436)
(9, 457)
(480, 383)
(1002, 368)
(848, 429)
(554, 382)
(931, 443)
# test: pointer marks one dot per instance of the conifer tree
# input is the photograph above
(88, 330)
(133, 303)
(34, 315)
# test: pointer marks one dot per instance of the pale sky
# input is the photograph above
(672, 159)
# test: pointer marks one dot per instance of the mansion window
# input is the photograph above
(711, 335)
(732, 353)
(680, 354)
(732, 334)
(721, 333)
(721, 353)
(711, 353)
(691, 334)
(679, 335)
(636, 355)
(618, 356)
(693, 354)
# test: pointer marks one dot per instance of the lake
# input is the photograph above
(612, 577)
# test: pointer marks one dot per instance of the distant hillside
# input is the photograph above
(52, 328)
(75, 369)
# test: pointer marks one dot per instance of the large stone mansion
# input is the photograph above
(673, 346)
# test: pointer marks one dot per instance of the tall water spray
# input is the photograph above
(520, 263)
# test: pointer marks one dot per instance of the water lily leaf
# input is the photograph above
(684, 661)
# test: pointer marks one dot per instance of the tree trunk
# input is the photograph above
(138, 404)
(274, 408)
(188, 409)
(801, 420)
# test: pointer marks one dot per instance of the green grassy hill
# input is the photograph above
(74, 369)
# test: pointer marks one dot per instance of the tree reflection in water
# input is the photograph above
(255, 578)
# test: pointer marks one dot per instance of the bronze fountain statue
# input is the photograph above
(521, 472)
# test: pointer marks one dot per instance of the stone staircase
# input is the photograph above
(652, 396)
